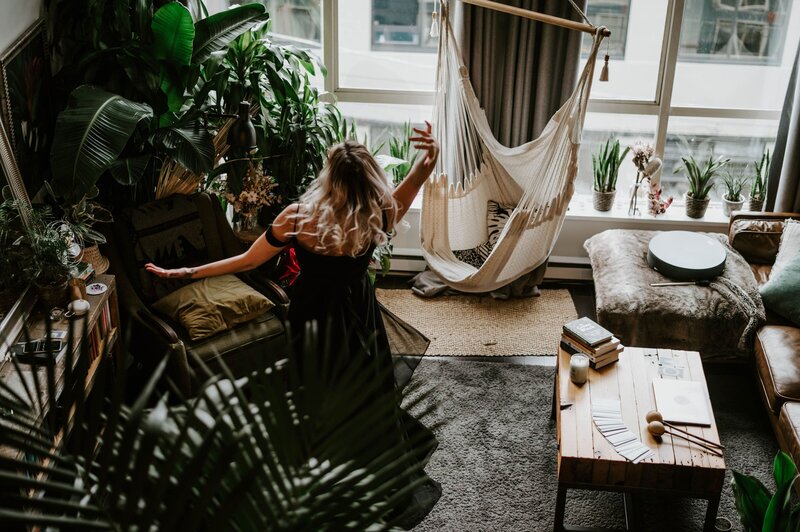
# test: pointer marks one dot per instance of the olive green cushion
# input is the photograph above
(213, 305)
(781, 294)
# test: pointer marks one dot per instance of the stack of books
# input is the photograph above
(585, 336)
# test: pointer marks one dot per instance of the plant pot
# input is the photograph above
(696, 208)
(756, 205)
(52, 295)
(729, 206)
(93, 256)
(603, 201)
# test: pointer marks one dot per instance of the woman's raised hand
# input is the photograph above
(180, 273)
(424, 141)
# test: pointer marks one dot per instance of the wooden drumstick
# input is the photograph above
(655, 415)
(658, 429)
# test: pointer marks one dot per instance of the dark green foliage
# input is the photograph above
(13, 252)
(45, 249)
(606, 164)
(762, 511)
(260, 453)
(734, 183)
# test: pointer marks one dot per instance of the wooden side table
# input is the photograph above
(587, 460)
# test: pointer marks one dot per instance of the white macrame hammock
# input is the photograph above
(537, 178)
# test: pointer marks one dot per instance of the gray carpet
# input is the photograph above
(497, 453)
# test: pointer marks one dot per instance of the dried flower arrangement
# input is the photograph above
(257, 192)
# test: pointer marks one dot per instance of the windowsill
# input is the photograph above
(580, 209)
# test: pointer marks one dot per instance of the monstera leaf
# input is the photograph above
(216, 32)
(90, 135)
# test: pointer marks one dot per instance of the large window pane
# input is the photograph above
(742, 141)
(736, 53)
(386, 44)
(376, 124)
(637, 35)
(599, 128)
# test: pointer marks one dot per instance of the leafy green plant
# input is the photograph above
(400, 148)
(48, 251)
(257, 453)
(734, 184)
(148, 62)
(762, 511)
(701, 177)
(606, 164)
(82, 216)
(12, 246)
(758, 191)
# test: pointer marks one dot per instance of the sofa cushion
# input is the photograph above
(756, 240)
(781, 294)
(789, 429)
(761, 272)
(789, 248)
(778, 364)
(211, 306)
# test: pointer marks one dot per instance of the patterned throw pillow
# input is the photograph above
(496, 218)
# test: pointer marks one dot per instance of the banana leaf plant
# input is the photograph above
(762, 511)
(136, 102)
(255, 453)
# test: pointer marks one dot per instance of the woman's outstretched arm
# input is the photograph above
(406, 191)
(258, 253)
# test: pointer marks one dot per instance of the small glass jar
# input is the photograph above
(579, 368)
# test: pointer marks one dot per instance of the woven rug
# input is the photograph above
(497, 452)
(465, 325)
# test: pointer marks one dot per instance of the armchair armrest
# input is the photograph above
(757, 235)
(272, 290)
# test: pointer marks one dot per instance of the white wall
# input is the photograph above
(16, 16)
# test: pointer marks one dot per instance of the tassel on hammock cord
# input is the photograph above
(434, 23)
(604, 70)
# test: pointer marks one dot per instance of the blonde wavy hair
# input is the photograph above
(350, 206)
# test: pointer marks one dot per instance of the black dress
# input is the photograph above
(337, 293)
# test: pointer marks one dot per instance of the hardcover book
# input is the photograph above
(587, 332)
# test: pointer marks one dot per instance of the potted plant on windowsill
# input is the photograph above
(758, 192)
(605, 168)
(733, 199)
(701, 181)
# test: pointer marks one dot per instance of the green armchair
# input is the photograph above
(181, 231)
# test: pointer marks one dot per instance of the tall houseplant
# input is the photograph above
(48, 256)
(258, 453)
(605, 169)
(701, 180)
(133, 106)
(762, 511)
(758, 191)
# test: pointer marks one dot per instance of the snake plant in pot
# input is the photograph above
(762, 511)
(758, 191)
(605, 169)
(733, 199)
(701, 180)
(257, 453)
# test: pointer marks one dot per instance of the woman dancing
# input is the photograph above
(335, 226)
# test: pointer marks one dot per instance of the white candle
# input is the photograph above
(579, 368)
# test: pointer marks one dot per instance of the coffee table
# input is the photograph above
(586, 460)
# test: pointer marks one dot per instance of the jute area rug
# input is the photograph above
(497, 452)
(465, 325)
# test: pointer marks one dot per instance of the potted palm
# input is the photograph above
(605, 168)
(49, 253)
(758, 192)
(701, 181)
(733, 199)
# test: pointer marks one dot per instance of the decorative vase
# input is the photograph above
(52, 295)
(248, 222)
(636, 191)
(603, 201)
(756, 205)
(93, 256)
(729, 206)
(696, 208)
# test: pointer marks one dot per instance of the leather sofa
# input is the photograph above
(777, 346)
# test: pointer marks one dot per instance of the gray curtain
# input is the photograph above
(522, 71)
(783, 192)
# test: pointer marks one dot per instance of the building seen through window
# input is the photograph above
(402, 25)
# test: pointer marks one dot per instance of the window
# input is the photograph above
(740, 31)
(378, 123)
(402, 25)
(614, 15)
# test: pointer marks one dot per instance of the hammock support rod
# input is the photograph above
(541, 17)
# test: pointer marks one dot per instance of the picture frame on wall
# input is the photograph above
(27, 105)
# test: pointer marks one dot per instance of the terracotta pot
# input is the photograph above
(53, 295)
(696, 208)
(603, 201)
(729, 206)
(756, 205)
(93, 256)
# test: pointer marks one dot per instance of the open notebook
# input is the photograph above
(682, 402)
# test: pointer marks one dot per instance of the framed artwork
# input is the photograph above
(27, 106)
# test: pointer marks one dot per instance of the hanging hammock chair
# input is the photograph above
(536, 179)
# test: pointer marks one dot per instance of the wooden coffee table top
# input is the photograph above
(587, 458)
